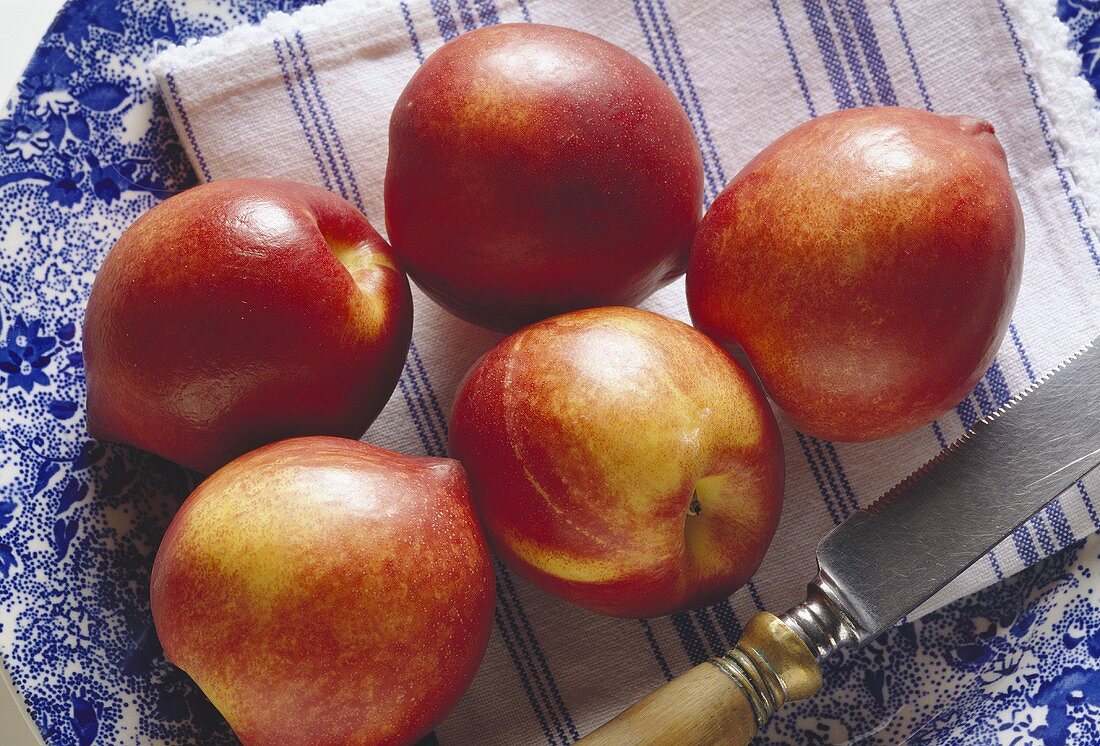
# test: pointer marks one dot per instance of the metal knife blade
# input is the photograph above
(882, 563)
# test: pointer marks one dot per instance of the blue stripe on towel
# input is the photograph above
(830, 476)
(1087, 501)
(173, 91)
(677, 76)
(544, 665)
(487, 12)
(795, 66)
(834, 68)
(982, 397)
(705, 623)
(505, 626)
(509, 600)
(849, 493)
(467, 16)
(755, 595)
(326, 117)
(307, 130)
(696, 106)
(448, 29)
(998, 386)
(651, 638)
(689, 637)
(1022, 352)
(967, 414)
(875, 63)
(438, 439)
(432, 398)
(414, 413)
(851, 53)
(1021, 537)
(1058, 523)
(1042, 534)
(909, 53)
(803, 443)
(727, 620)
(938, 432)
(313, 111)
(414, 40)
(995, 564)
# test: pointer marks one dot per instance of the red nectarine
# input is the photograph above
(241, 312)
(536, 169)
(867, 262)
(620, 460)
(324, 591)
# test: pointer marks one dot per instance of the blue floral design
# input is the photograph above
(24, 135)
(77, 23)
(64, 189)
(26, 355)
(1083, 19)
(110, 180)
(1072, 702)
(7, 559)
(1066, 8)
(49, 70)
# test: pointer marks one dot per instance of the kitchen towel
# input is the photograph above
(308, 96)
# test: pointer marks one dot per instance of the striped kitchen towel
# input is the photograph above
(308, 97)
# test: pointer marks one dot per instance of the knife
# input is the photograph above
(884, 561)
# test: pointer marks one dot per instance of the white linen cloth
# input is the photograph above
(308, 97)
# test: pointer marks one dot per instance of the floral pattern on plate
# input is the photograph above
(1083, 19)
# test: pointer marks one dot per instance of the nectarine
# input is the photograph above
(867, 262)
(536, 169)
(241, 312)
(621, 460)
(324, 591)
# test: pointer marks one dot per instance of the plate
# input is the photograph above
(1082, 17)
(85, 147)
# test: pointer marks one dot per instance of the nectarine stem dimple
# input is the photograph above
(695, 508)
(362, 262)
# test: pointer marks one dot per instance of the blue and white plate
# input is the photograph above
(1083, 19)
(85, 147)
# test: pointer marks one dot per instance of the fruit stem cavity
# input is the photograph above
(695, 507)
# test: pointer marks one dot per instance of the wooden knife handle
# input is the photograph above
(725, 700)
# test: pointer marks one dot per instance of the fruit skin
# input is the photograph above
(868, 262)
(584, 437)
(325, 591)
(536, 169)
(227, 317)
